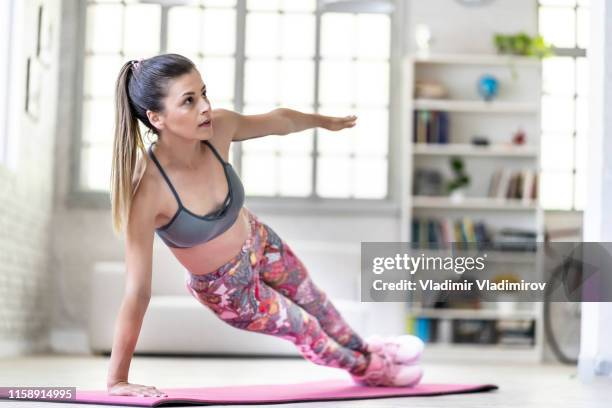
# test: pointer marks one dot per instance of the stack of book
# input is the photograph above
(521, 184)
(515, 239)
(430, 126)
(516, 332)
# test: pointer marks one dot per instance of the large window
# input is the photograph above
(256, 55)
(565, 24)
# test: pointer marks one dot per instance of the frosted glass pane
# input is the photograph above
(337, 35)
(370, 178)
(262, 34)
(582, 82)
(580, 191)
(183, 30)
(259, 108)
(142, 25)
(556, 190)
(557, 26)
(300, 142)
(261, 144)
(219, 32)
(96, 162)
(298, 35)
(337, 83)
(557, 152)
(302, 5)
(581, 147)
(557, 2)
(297, 82)
(557, 114)
(104, 28)
(558, 76)
(335, 142)
(583, 31)
(98, 120)
(295, 175)
(373, 35)
(269, 5)
(334, 177)
(371, 132)
(584, 2)
(218, 75)
(259, 174)
(101, 74)
(261, 82)
(372, 83)
(219, 3)
(223, 104)
(582, 114)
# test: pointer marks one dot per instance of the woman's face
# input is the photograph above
(187, 108)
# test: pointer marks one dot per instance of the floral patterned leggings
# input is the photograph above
(267, 289)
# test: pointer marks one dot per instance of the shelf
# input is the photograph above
(450, 105)
(432, 149)
(468, 314)
(481, 352)
(474, 203)
(476, 59)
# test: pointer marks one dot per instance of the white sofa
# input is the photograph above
(176, 323)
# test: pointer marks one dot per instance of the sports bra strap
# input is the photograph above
(164, 175)
(215, 152)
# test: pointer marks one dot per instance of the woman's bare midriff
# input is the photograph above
(209, 256)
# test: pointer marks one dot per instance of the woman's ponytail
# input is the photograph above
(127, 142)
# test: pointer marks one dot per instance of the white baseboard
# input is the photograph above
(69, 341)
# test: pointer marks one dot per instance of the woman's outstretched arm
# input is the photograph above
(281, 121)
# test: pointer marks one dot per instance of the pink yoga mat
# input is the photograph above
(278, 393)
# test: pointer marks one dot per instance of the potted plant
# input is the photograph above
(457, 186)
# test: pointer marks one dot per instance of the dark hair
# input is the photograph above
(142, 85)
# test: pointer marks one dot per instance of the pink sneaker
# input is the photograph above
(405, 349)
(382, 372)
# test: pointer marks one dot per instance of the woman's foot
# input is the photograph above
(383, 372)
(405, 349)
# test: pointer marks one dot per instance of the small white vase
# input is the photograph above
(457, 195)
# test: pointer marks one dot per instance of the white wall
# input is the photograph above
(26, 190)
(470, 29)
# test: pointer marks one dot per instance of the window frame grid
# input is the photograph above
(575, 53)
(313, 204)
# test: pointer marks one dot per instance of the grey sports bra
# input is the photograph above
(187, 229)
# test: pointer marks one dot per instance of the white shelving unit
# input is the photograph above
(517, 106)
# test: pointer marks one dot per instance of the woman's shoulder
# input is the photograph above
(146, 185)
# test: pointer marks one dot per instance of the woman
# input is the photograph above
(238, 266)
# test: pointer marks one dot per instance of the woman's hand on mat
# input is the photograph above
(135, 390)
(338, 123)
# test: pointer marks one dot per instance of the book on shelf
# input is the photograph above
(516, 184)
(440, 232)
(430, 127)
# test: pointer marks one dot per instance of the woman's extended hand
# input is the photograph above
(338, 123)
(135, 390)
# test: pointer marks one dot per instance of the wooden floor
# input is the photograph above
(521, 385)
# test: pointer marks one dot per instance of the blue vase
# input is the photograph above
(488, 86)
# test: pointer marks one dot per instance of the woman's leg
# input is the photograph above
(237, 295)
(285, 273)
